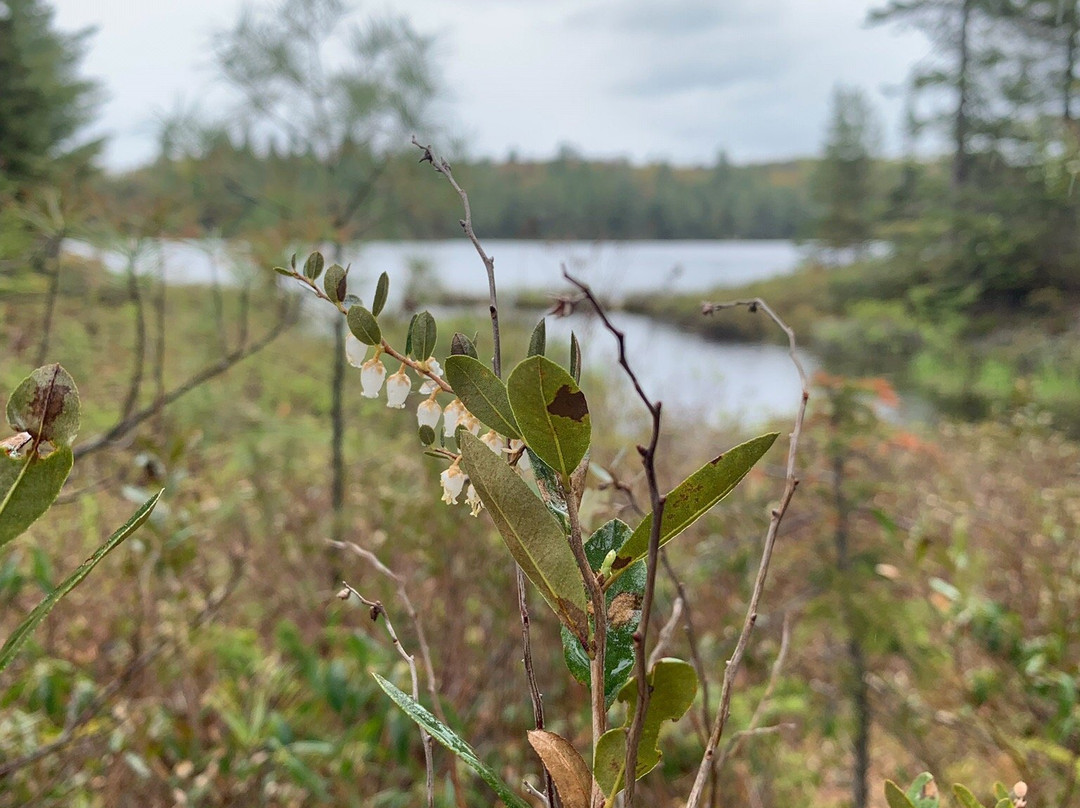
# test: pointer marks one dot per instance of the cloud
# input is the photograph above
(672, 18)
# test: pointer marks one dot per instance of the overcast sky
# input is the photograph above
(677, 80)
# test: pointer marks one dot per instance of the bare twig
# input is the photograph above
(534, 791)
(754, 726)
(691, 640)
(664, 638)
(443, 168)
(287, 317)
(598, 646)
(139, 358)
(377, 609)
(421, 640)
(791, 483)
(52, 250)
(648, 460)
(530, 674)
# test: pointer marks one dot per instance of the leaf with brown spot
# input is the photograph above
(551, 413)
(569, 771)
(46, 404)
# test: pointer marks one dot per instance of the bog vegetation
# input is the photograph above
(295, 593)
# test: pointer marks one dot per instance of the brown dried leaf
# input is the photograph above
(570, 773)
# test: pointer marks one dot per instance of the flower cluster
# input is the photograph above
(454, 416)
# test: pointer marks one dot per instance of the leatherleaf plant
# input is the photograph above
(518, 449)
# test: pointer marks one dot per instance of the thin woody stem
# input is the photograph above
(791, 483)
(376, 610)
(656, 500)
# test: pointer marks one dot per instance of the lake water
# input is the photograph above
(716, 382)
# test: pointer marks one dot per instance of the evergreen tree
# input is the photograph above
(843, 183)
(43, 101)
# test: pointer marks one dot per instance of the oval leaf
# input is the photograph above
(364, 326)
(313, 266)
(482, 393)
(46, 404)
(28, 487)
(530, 532)
(673, 685)
(26, 627)
(570, 773)
(334, 283)
(965, 797)
(422, 336)
(551, 413)
(451, 740)
(895, 797)
(382, 289)
(694, 496)
(460, 344)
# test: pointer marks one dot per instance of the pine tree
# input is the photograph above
(43, 102)
(843, 183)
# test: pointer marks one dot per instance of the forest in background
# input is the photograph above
(226, 185)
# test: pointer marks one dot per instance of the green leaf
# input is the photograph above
(694, 496)
(482, 393)
(422, 335)
(282, 271)
(1004, 803)
(427, 435)
(46, 404)
(28, 486)
(538, 340)
(450, 739)
(965, 797)
(1000, 791)
(364, 326)
(334, 283)
(923, 791)
(569, 772)
(409, 335)
(460, 345)
(673, 686)
(313, 266)
(382, 289)
(895, 797)
(530, 532)
(623, 600)
(575, 357)
(26, 627)
(551, 490)
(551, 413)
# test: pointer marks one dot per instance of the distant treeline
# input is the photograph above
(230, 187)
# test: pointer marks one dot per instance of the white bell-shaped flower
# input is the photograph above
(472, 499)
(428, 386)
(355, 351)
(398, 387)
(427, 414)
(470, 422)
(452, 417)
(434, 366)
(372, 376)
(453, 480)
(494, 441)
